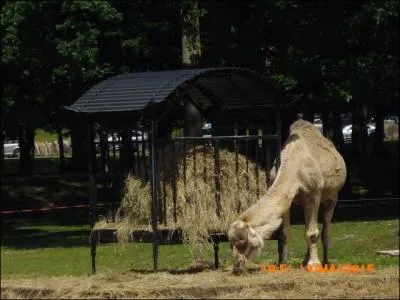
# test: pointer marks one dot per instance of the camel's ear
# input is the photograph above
(241, 245)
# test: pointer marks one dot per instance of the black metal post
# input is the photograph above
(279, 137)
(278, 161)
(237, 145)
(175, 175)
(103, 144)
(144, 157)
(247, 159)
(154, 196)
(183, 156)
(93, 197)
(205, 144)
(216, 251)
(217, 171)
(256, 169)
(164, 179)
(194, 165)
(160, 214)
(268, 162)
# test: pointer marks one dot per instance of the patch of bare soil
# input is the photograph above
(382, 284)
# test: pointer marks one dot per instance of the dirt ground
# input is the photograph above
(297, 284)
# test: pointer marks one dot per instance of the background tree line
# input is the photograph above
(340, 56)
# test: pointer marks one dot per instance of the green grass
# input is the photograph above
(42, 135)
(56, 250)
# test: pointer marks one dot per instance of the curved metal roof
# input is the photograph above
(231, 87)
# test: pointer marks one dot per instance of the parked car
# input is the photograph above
(347, 131)
(11, 148)
(138, 137)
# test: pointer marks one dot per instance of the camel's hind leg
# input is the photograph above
(327, 213)
(283, 238)
(312, 232)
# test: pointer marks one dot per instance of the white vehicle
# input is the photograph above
(347, 131)
(11, 148)
(207, 129)
(318, 124)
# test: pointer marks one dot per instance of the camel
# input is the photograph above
(311, 174)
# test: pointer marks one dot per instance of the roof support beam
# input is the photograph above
(240, 91)
(208, 93)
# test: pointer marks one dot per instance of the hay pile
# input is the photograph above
(391, 131)
(196, 205)
(221, 284)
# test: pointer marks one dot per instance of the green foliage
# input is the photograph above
(288, 83)
(52, 51)
(77, 44)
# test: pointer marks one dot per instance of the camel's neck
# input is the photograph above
(282, 192)
(269, 211)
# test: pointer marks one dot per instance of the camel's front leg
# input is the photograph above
(283, 238)
(312, 232)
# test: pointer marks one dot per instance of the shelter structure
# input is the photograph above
(146, 108)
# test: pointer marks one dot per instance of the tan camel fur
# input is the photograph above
(311, 174)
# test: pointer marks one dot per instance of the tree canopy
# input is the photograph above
(336, 53)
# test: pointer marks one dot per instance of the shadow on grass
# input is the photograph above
(45, 233)
(43, 191)
(23, 239)
(189, 270)
(45, 230)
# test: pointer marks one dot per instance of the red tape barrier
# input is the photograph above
(8, 212)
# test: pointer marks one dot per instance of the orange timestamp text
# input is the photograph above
(344, 268)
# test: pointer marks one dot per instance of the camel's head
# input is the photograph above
(246, 243)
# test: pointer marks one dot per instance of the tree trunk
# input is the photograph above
(359, 133)
(337, 130)
(191, 47)
(191, 54)
(379, 129)
(2, 137)
(61, 148)
(363, 129)
(355, 143)
(193, 120)
(26, 138)
(79, 160)
(327, 122)
(308, 112)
